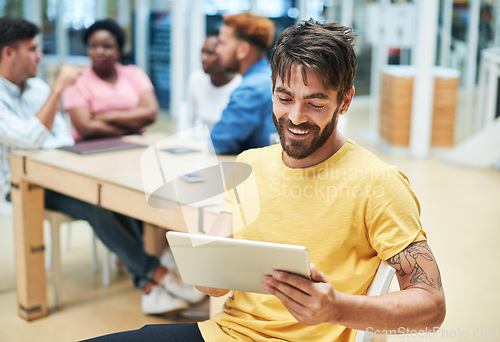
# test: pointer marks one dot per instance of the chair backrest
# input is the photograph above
(379, 285)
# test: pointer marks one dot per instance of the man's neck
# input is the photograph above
(5, 73)
(249, 62)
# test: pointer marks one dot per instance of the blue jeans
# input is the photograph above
(180, 332)
(121, 234)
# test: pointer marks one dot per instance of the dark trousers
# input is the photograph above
(183, 332)
(121, 234)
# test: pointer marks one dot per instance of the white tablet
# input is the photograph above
(233, 264)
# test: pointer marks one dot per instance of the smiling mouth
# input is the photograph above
(297, 131)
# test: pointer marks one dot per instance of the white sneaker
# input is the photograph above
(173, 283)
(158, 301)
(167, 260)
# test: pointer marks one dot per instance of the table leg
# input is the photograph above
(31, 281)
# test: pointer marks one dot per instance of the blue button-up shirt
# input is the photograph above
(19, 126)
(247, 120)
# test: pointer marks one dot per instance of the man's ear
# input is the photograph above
(347, 101)
(242, 50)
(7, 51)
(3, 52)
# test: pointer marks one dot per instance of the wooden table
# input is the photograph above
(110, 180)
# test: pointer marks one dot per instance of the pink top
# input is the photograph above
(89, 91)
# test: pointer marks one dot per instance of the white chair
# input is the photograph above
(56, 220)
(379, 285)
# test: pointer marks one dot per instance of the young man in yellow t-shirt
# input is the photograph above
(320, 190)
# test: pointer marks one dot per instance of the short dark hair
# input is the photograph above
(325, 49)
(256, 30)
(109, 25)
(213, 33)
(13, 30)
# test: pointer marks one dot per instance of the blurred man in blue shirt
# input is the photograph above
(247, 120)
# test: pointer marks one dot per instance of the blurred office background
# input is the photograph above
(165, 37)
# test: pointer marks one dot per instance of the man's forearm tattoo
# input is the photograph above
(417, 260)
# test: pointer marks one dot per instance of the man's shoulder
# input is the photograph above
(37, 82)
(36, 87)
(362, 154)
(259, 73)
(360, 161)
(358, 157)
(257, 83)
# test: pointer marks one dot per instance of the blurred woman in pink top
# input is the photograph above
(109, 99)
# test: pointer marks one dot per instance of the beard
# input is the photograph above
(300, 149)
(232, 65)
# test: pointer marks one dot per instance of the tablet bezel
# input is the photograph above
(233, 264)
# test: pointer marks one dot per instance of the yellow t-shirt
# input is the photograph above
(350, 211)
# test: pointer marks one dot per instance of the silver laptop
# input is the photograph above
(233, 264)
